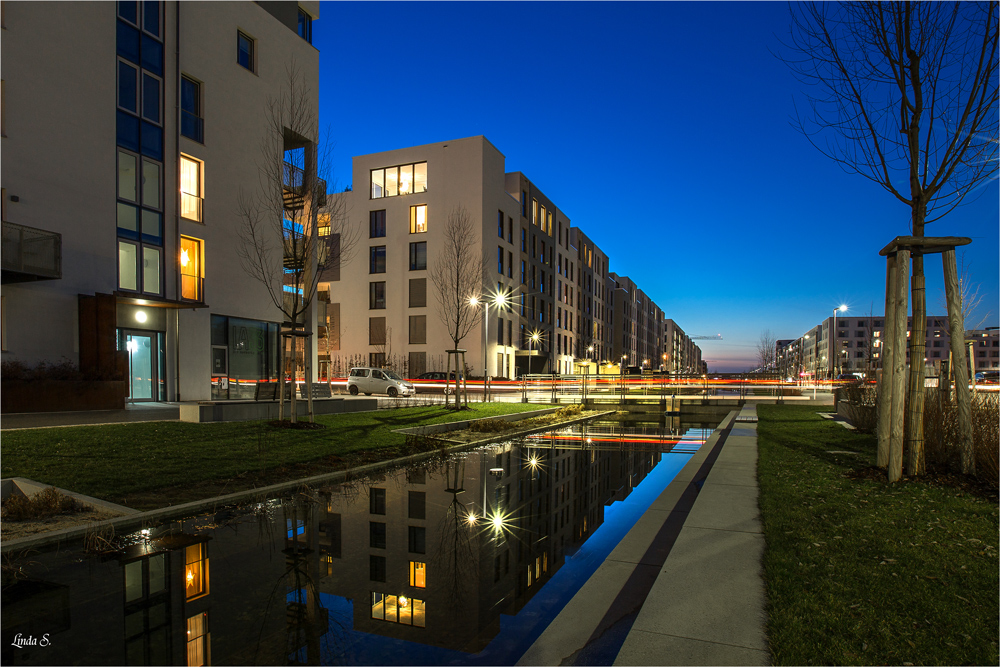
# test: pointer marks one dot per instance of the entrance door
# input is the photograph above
(141, 365)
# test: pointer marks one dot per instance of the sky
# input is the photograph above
(663, 130)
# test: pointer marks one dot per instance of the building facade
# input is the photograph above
(127, 142)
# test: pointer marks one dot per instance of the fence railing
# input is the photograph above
(34, 253)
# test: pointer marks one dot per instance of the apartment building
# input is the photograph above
(984, 346)
(129, 131)
(550, 303)
(681, 354)
(857, 348)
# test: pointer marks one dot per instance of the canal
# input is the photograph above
(463, 560)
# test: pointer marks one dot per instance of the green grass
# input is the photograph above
(116, 461)
(862, 572)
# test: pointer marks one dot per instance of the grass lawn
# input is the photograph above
(862, 572)
(147, 465)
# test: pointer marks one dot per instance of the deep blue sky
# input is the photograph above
(662, 130)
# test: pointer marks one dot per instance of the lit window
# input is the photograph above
(245, 51)
(399, 609)
(127, 260)
(191, 196)
(195, 571)
(197, 640)
(418, 219)
(418, 574)
(401, 180)
(191, 269)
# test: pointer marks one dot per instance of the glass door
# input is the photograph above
(141, 365)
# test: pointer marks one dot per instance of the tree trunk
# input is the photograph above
(282, 366)
(898, 377)
(295, 348)
(918, 343)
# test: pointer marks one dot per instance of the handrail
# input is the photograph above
(31, 251)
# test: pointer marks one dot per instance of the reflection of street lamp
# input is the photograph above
(836, 349)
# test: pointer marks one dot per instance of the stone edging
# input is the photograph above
(142, 519)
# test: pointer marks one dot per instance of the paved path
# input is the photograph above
(133, 412)
(684, 586)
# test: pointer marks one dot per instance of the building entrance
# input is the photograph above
(142, 365)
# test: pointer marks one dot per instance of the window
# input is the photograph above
(500, 260)
(500, 223)
(376, 535)
(191, 188)
(376, 296)
(305, 26)
(418, 329)
(417, 504)
(151, 90)
(418, 256)
(245, 51)
(399, 609)
(376, 501)
(128, 87)
(128, 175)
(191, 269)
(192, 124)
(417, 540)
(418, 292)
(376, 224)
(376, 332)
(418, 574)
(195, 571)
(376, 568)
(376, 259)
(197, 640)
(401, 180)
(418, 219)
(510, 264)
(534, 211)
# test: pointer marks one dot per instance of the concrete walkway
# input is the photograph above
(133, 412)
(684, 587)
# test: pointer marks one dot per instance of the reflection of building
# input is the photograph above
(122, 251)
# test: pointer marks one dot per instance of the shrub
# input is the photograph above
(863, 399)
(941, 433)
(490, 426)
(44, 504)
(65, 370)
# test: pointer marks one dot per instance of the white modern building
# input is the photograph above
(129, 131)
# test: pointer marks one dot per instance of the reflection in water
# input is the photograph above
(426, 565)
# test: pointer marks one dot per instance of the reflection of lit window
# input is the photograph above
(399, 609)
(418, 574)
(190, 189)
(191, 269)
(195, 571)
(197, 640)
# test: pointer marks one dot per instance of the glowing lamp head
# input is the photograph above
(843, 308)
(140, 316)
(535, 336)
(474, 301)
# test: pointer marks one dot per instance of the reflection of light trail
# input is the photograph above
(617, 439)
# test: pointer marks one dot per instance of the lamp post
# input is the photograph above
(836, 350)
(499, 300)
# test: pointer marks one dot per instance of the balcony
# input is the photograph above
(30, 254)
(293, 191)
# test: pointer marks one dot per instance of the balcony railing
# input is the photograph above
(294, 179)
(30, 254)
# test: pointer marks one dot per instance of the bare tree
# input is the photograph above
(766, 351)
(457, 274)
(279, 244)
(904, 94)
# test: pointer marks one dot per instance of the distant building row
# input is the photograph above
(857, 347)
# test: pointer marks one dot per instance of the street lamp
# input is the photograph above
(498, 301)
(836, 362)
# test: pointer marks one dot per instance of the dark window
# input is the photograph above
(151, 17)
(244, 51)
(152, 140)
(500, 223)
(376, 259)
(150, 98)
(418, 329)
(524, 204)
(510, 230)
(192, 124)
(376, 535)
(418, 539)
(418, 256)
(129, 11)
(376, 224)
(417, 504)
(524, 240)
(376, 296)
(376, 568)
(376, 332)
(306, 31)
(128, 87)
(418, 292)
(376, 501)
(152, 55)
(500, 260)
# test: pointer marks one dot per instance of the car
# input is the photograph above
(368, 381)
(988, 377)
(436, 376)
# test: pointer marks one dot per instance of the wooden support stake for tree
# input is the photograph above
(886, 354)
(957, 331)
(899, 310)
(918, 363)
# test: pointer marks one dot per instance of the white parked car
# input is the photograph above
(370, 381)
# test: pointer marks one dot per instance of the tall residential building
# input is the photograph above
(129, 131)
(561, 315)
